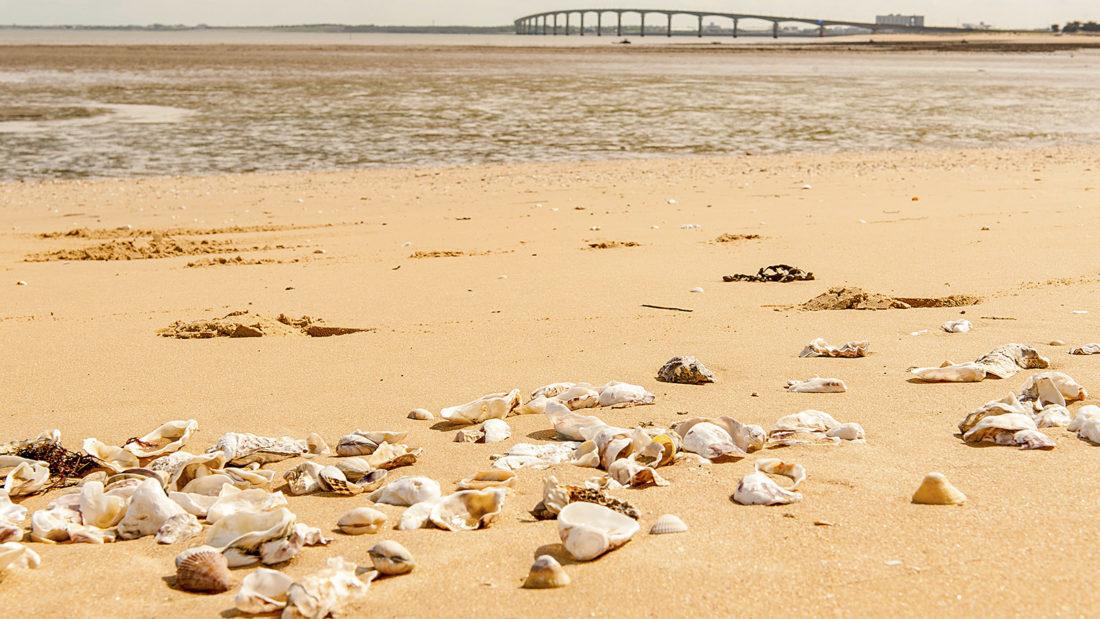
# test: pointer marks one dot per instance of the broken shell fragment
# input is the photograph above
(495, 431)
(326, 592)
(588, 530)
(712, 442)
(774, 466)
(115, 458)
(546, 573)
(685, 370)
(817, 385)
(1052, 388)
(492, 406)
(469, 435)
(149, 509)
(759, 489)
(14, 555)
(847, 432)
(178, 528)
(168, 438)
(203, 570)
(241, 449)
(820, 348)
(1005, 361)
(1087, 423)
(488, 479)
(263, 591)
(936, 490)
(406, 491)
(621, 395)
(391, 558)
(467, 510)
(1087, 349)
(951, 373)
(667, 524)
(316, 445)
(23, 477)
(362, 520)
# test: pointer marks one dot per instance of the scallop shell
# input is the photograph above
(263, 591)
(685, 370)
(115, 458)
(668, 524)
(619, 395)
(488, 479)
(243, 448)
(820, 348)
(178, 528)
(421, 414)
(99, 509)
(406, 491)
(14, 555)
(546, 573)
(203, 570)
(467, 510)
(326, 592)
(936, 490)
(759, 489)
(362, 520)
(391, 558)
(588, 530)
(817, 385)
(167, 438)
(149, 509)
(774, 466)
(495, 431)
(492, 406)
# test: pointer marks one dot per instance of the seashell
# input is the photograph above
(304, 478)
(806, 421)
(263, 591)
(1053, 416)
(1005, 361)
(232, 500)
(208, 485)
(552, 390)
(245, 532)
(333, 480)
(115, 458)
(488, 479)
(149, 509)
(622, 395)
(495, 431)
(405, 491)
(1009, 429)
(555, 496)
(181, 468)
(1052, 388)
(10, 531)
(389, 456)
(951, 373)
(361, 520)
(421, 414)
(241, 448)
(572, 426)
(284, 549)
(52, 525)
(847, 432)
(579, 396)
(10, 514)
(849, 350)
(417, 516)
(81, 534)
(526, 455)
(712, 442)
(469, 435)
(1087, 349)
(1010, 404)
(759, 489)
(492, 406)
(203, 570)
(467, 510)
(685, 370)
(588, 530)
(167, 438)
(391, 558)
(23, 477)
(668, 523)
(316, 445)
(136, 476)
(98, 509)
(178, 528)
(774, 466)
(326, 592)
(355, 445)
(817, 385)
(936, 490)
(631, 474)
(14, 555)
(354, 469)
(1087, 423)
(546, 573)
(956, 326)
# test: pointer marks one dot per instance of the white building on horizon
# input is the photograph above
(894, 19)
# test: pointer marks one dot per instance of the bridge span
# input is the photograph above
(559, 22)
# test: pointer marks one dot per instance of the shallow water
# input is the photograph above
(205, 109)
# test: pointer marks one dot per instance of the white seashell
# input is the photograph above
(526, 455)
(263, 591)
(391, 558)
(629, 473)
(488, 479)
(98, 509)
(389, 456)
(817, 385)
(242, 448)
(10, 531)
(936, 490)
(492, 406)
(166, 439)
(246, 532)
(316, 445)
(181, 468)
(1052, 388)
(588, 530)
(421, 414)
(81, 534)
(469, 435)
(17, 556)
(951, 373)
(407, 491)
(956, 326)
(10, 511)
(326, 592)
(117, 459)
(24, 477)
(624, 394)
(579, 396)
(149, 509)
(417, 516)
(52, 525)
(572, 426)
(820, 348)
(759, 489)
(546, 573)
(1087, 349)
(208, 485)
(847, 432)
(668, 523)
(178, 528)
(1005, 361)
(203, 570)
(1009, 429)
(552, 390)
(362, 520)
(697, 290)
(774, 466)
(806, 421)
(1087, 423)
(1053, 416)
(467, 510)
(495, 431)
(232, 500)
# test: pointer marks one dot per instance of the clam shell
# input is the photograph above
(759, 489)
(362, 520)
(167, 438)
(685, 370)
(469, 435)
(492, 406)
(588, 530)
(546, 573)
(406, 491)
(203, 570)
(668, 523)
(421, 414)
(488, 479)
(936, 490)
(467, 510)
(391, 558)
(263, 591)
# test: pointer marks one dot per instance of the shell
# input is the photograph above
(712, 442)
(951, 373)
(391, 456)
(624, 394)
(203, 570)
(668, 523)
(417, 516)
(492, 406)
(80, 534)
(495, 431)
(588, 530)
(10, 511)
(149, 509)
(406, 491)
(362, 520)
(817, 385)
(52, 525)
(247, 531)
(208, 485)
(14, 555)
(1087, 423)
(98, 509)
(849, 350)
(956, 326)
(167, 438)
(1053, 416)
(391, 558)
(1052, 388)
(326, 592)
(263, 591)
(488, 479)
(232, 500)
(847, 432)
(24, 477)
(685, 370)
(1010, 404)
(746, 437)
(552, 390)
(469, 435)
(526, 455)
(759, 489)
(115, 458)
(1009, 429)
(421, 414)
(1005, 361)
(178, 528)
(555, 496)
(242, 448)
(316, 445)
(1087, 349)
(467, 510)
(572, 426)
(632, 474)
(580, 395)
(806, 421)
(774, 466)
(181, 468)
(936, 490)
(546, 573)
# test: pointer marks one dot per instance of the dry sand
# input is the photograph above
(81, 353)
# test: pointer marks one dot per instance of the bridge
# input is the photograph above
(559, 22)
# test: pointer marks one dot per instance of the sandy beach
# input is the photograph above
(530, 303)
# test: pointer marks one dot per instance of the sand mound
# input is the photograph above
(733, 238)
(128, 232)
(246, 324)
(239, 261)
(612, 244)
(858, 299)
(156, 247)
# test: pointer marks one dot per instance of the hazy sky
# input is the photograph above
(1004, 13)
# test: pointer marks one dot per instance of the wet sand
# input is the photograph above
(531, 304)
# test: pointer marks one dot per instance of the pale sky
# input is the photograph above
(1001, 13)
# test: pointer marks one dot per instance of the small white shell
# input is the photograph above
(495, 431)
(362, 520)
(588, 530)
(391, 558)
(263, 591)
(407, 491)
(759, 489)
(467, 510)
(668, 523)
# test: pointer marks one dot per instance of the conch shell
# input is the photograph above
(169, 437)
(467, 510)
(492, 406)
(588, 530)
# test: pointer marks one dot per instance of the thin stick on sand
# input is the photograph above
(671, 309)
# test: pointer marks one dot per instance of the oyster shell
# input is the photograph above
(167, 438)
(1005, 361)
(936, 490)
(23, 477)
(82, 534)
(1087, 423)
(405, 491)
(417, 516)
(956, 326)
(284, 549)
(774, 466)
(149, 509)
(758, 489)
(195, 504)
(526, 455)
(588, 530)
(488, 479)
(467, 510)
(362, 520)
(951, 373)
(812, 421)
(847, 432)
(632, 474)
(552, 390)
(1010, 404)
(181, 468)
(390, 456)
(243, 448)
(14, 555)
(746, 437)
(685, 370)
(570, 425)
(712, 442)
(317, 445)
(546, 573)
(849, 350)
(263, 591)
(1087, 349)
(99, 509)
(1009, 429)
(115, 458)
(816, 385)
(1052, 388)
(52, 525)
(203, 570)
(581, 395)
(232, 500)
(1052, 416)
(326, 592)
(178, 528)
(667, 524)
(621, 395)
(245, 532)
(391, 558)
(492, 406)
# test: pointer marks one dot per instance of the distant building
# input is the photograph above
(913, 21)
